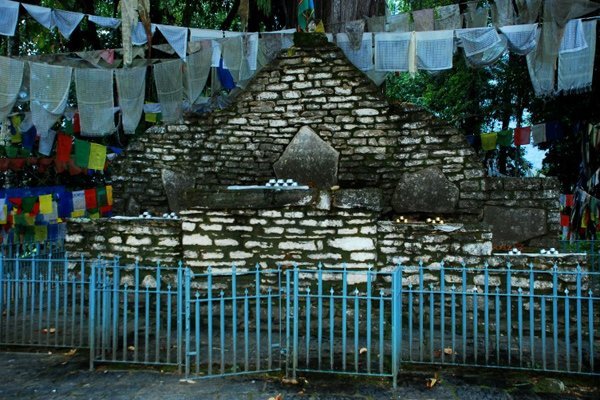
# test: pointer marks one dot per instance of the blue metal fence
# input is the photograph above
(304, 320)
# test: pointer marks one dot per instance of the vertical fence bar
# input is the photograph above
(591, 329)
(92, 316)
(295, 329)
(578, 318)
(269, 330)
(234, 317)
(197, 331)
(369, 324)
(410, 322)
(442, 311)
(319, 314)
(169, 317)
(421, 300)
(531, 316)
(453, 320)
(136, 310)
(307, 338)
(258, 300)
(475, 324)
(344, 302)
(520, 324)
(356, 346)
(395, 316)
(486, 313)
(157, 312)
(125, 319)
(543, 329)
(246, 331)
(287, 322)
(2, 290)
(567, 332)
(464, 313)
(381, 331)
(508, 313)
(82, 274)
(431, 323)
(209, 309)
(187, 288)
(331, 329)
(222, 329)
(555, 314)
(180, 289)
(115, 309)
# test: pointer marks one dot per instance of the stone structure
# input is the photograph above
(313, 101)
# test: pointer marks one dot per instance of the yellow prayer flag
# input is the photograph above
(77, 213)
(97, 156)
(16, 121)
(41, 233)
(95, 215)
(109, 195)
(46, 204)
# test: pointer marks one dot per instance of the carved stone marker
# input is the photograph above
(426, 191)
(512, 225)
(175, 183)
(309, 160)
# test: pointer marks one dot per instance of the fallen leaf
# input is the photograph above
(190, 381)
(131, 348)
(448, 351)
(363, 350)
(278, 397)
(71, 352)
(289, 381)
(430, 382)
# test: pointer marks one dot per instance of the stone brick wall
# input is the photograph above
(318, 88)
(149, 240)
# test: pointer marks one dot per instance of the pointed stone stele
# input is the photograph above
(309, 160)
(175, 183)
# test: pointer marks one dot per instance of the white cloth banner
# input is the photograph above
(66, 21)
(138, 35)
(362, 58)
(573, 38)
(477, 40)
(42, 15)
(576, 68)
(197, 34)
(48, 94)
(522, 39)
(391, 51)
(95, 99)
(131, 87)
(105, 22)
(177, 38)
(196, 71)
(46, 143)
(79, 200)
(9, 16)
(9, 88)
(168, 77)
(435, 50)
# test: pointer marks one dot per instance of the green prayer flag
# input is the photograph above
(11, 151)
(82, 153)
(488, 141)
(505, 138)
(28, 204)
(20, 219)
(29, 234)
(69, 127)
(101, 196)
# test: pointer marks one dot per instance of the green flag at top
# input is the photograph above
(306, 13)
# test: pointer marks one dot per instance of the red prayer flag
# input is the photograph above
(63, 147)
(569, 202)
(90, 199)
(17, 164)
(4, 163)
(36, 209)
(522, 136)
(564, 220)
(74, 169)
(76, 125)
(105, 210)
(61, 166)
(17, 202)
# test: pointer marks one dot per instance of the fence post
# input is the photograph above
(1, 290)
(187, 321)
(395, 334)
(180, 286)
(92, 317)
(295, 333)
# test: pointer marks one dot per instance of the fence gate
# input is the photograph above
(343, 322)
(233, 322)
(136, 314)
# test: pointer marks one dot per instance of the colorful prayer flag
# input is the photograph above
(488, 141)
(90, 199)
(505, 138)
(306, 12)
(109, 195)
(28, 204)
(63, 147)
(101, 196)
(41, 233)
(97, 157)
(522, 136)
(82, 153)
(78, 201)
(46, 204)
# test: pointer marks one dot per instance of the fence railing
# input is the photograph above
(56, 248)
(341, 321)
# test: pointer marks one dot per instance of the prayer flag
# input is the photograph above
(79, 201)
(488, 141)
(564, 220)
(82, 153)
(46, 204)
(77, 213)
(41, 233)
(63, 148)
(28, 203)
(522, 136)
(538, 133)
(101, 195)
(90, 199)
(504, 138)
(65, 205)
(28, 138)
(569, 200)
(109, 195)
(97, 156)
(554, 131)
(306, 13)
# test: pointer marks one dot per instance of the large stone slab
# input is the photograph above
(512, 225)
(175, 183)
(425, 191)
(366, 199)
(247, 199)
(309, 160)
